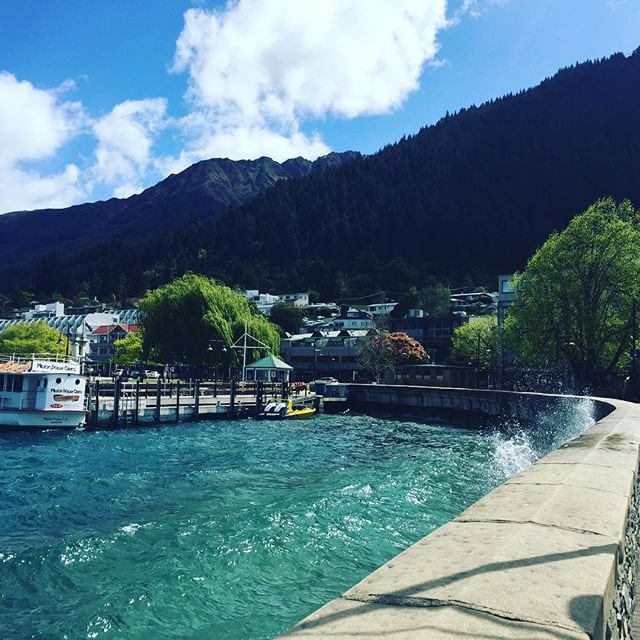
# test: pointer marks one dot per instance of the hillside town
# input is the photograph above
(327, 344)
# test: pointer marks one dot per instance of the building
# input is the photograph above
(269, 369)
(506, 295)
(42, 311)
(438, 375)
(263, 301)
(295, 299)
(103, 338)
(381, 308)
(434, 333)
(349, 320)
(325, 353)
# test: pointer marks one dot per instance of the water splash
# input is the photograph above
(512, 454)
(517, 447)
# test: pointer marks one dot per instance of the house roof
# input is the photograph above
(108, 328)
(270, 362)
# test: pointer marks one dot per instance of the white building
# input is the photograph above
(41, 311)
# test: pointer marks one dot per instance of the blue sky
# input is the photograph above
(104, 98)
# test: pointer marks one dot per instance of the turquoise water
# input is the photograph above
(225, 529)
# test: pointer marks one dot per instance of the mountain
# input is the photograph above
(475, 194)
(204, 190)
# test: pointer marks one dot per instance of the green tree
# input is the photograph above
(476, 341)
(182, 319)
(287, 317)
(573, 301)
(25, 338)
(435, 299)
(129, 348)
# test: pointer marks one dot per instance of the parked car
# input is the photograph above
(153, 375)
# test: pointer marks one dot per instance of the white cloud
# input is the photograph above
(26, 190)
(34, 125)
(258, 69)
(125, 138)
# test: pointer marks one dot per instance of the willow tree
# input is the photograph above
(195, 320)
(574, 299)
(26, 338)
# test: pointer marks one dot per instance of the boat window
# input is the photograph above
(77, 381)
(1, 381)
(8, 383)
(17, 383)
(58, 380)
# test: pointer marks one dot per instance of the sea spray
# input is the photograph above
(516, 447)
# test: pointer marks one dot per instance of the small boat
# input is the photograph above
(286, 411)
(41, 392)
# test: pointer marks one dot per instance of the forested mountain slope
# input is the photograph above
(202, 191)
(475, 193)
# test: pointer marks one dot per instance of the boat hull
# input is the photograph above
(296, 414)
(27, 419)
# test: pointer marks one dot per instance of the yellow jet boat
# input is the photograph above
(286, 411)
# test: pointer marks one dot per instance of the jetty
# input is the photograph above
(119, 404)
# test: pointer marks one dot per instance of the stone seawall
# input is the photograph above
(550, 554)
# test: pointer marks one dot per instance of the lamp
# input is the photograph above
(211, 349)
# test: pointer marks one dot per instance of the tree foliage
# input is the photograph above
(573, 301)
(476, 342)
(385, 352)
(182, 319)
(129, 349)
(26, 338)
(287, 317)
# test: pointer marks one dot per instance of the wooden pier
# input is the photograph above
(119, 404)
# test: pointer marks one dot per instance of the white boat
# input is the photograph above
(41, 392)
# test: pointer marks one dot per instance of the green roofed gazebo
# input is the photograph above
(269, 369)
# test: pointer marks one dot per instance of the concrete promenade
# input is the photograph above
(550, 554)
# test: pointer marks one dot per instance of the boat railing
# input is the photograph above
(16, 358)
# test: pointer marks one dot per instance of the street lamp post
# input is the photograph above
(210, 350)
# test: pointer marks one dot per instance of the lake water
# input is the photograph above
(227, 529)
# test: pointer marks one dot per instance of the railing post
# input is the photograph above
(135, 416)
(177, 400)
(196, 408)
(258, 396)
(97, 413)
(232, 399)
(158, 399)
(116, 403)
